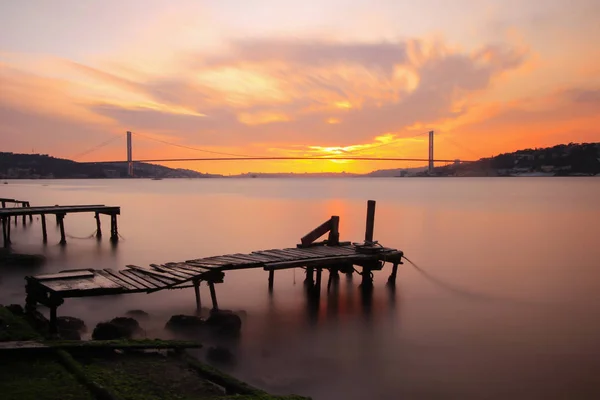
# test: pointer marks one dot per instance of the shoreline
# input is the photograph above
(38, 367)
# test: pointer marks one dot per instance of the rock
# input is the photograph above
(109, 331)
(220, 354)
(130, 325)
(225, 323)
(16, 309)
(140, 314)
(70, 328)
(71, 324)
(185, 323)
(117, 328)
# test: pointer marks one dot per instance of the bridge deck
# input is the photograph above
(135, 279)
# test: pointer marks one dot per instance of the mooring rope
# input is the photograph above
(82, 237)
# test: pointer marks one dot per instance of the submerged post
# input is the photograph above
(98, 225)
(61, 224)
(44, 232)
(4, 235)
(310, 276)
(198, 299)
(392, 278)
(114, 232)
(30, 215)
(213, 295)
(318, 283)
(271, 279)
(370, 221)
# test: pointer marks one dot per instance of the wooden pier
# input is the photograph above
(330, 254)
(59, 212)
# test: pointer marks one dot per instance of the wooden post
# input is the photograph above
(8, 231)
(61, 224)
(271, 279)
(4, 236)
(3, 204)
(310, 276)
(114, 232)
(370, 221)
(392, 278)
(98, 226)
(318, 283)
(44, 232)
(213, 295)
(198, 299)
(367, 280)
(53, 327)
(333, 276)
(334, 234)
(30, 215)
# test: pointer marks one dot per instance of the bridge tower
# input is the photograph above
(430, 167)
(129, 156)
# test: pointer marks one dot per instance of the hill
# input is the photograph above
(36, 166)
(573, 159)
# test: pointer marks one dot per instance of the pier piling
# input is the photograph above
(271, 280)
(44, 232)
(213, 295)
(370, 228)
(310, 276)
(114, 231)
(198, 298)
(392, 278)
(318, 282)
(61, 225)
(98, 225)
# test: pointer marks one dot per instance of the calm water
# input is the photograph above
(504, 304)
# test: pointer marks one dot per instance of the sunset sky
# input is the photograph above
(291, 78)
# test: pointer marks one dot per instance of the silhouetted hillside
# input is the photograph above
(34, 166)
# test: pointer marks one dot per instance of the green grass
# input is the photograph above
(41, 378)
(15, 328)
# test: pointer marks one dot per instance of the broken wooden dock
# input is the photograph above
(331, 254)
(59, 212)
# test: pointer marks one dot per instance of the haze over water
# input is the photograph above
(503, 305)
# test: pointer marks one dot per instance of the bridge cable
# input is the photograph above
(96, 147)
(189, 147)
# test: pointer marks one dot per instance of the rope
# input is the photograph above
(82, 237)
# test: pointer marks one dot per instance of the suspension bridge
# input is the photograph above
(223, 156)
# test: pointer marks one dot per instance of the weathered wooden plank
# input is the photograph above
(317, 261)
(116, 280)
(167, 278)
(148, 278)
(326, 251)
(298, 253)
(65, 275)
(124, 278)
(203, 265)
(283, 254)
(316, 233)
(256, 257)
(83, 284)
(129, 274)
(178, 273)
(267, 254)
(194, 269)
(244, 259)
(224, 260)
(311, 253)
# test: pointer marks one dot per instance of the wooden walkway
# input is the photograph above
(336, 257)
(59, 212)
